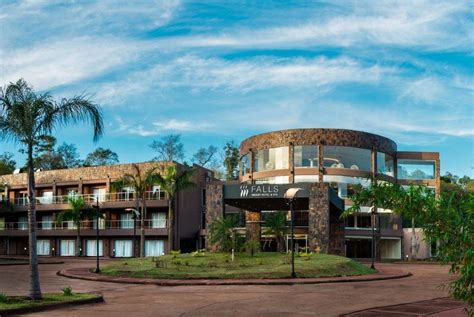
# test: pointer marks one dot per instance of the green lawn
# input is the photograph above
(220, 266)
(15, 302)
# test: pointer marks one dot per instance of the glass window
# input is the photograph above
(68, 247)
(245, 164)
(98, 193)
(158, 220)
(123, 248)
(46, 197)
(385, 164)
(22, 223)
(101, 223)
(154, 247)
(350, 221)
(126, 221)
(345, 185)
(347, 157)
(43, 247)
(271, 159)
(306, 178)
(47, 222)
(364, 221)
(2, 223)
(306, 155)
(273, 180)
(415, 169)
(91, 248)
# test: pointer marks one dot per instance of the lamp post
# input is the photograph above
(135, 215)
(97, 268)
(290, 195)
(372, 216)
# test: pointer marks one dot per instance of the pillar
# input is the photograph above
(252, 225)
(214, 209)
(318, 225)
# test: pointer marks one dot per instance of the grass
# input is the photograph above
(220, 266)
(7, 303)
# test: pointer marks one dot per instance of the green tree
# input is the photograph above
(101, 157)
(78, 211)
(139, 181)
(276, 224)
(69, 155)
(221, 231)
(26, 116)
(411, 203)
(7, 163)
(231, 160)
(169, 148)
(452, 224)
(45, 156)
(173, 182)
(205, 156)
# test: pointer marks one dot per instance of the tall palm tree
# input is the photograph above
(174, 182)
(276, 224)
(77, 213)
(24, 118)
(140, 181)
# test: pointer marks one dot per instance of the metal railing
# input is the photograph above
(88, 224)
(91, 198)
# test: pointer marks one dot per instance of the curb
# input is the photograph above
(27, 263)
(209, 282)
(15, 311)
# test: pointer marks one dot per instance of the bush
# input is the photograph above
(175, 253)
(3, 298)
(252, 246)
(67, 291)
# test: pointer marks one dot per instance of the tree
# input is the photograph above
(173, 182)
(452, 224)
(26, 116)
(169, 148)
(69, 155)
(101, 157)
(276, 223)
(231, 160)
(78, 211)
(7, 163)
(411, 203)
(205, 156)
(45, 156)
(221, 231)
(139, 181)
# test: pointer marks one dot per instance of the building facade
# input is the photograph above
(116, 227)
(338, 159)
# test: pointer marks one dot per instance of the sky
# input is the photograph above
(226, 70)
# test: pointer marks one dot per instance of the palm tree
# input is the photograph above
(140, 182)
(412, 203)
(24, 118)
(77, 213)
(221, 232)
(172, 183)
(276, 224)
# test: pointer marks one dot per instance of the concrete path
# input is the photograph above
(252, 300)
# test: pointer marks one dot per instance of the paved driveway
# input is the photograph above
(297, 300)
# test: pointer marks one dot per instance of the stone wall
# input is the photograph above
(337, 244)
(339, 137)
(253, 225)
(214, 208)
(318, 225)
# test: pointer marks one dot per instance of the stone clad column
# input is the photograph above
(252, 224)
(214, 208)
(318, 225)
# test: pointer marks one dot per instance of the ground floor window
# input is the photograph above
(43, 247)
(91, 248)
(68, 247)
(123, 248)
(154, 247)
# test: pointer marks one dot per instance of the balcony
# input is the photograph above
(106, 200)
(88, 228)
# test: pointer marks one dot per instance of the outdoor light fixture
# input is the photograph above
(135, 215)
(97, 206)
(290, 195)
(372, 216)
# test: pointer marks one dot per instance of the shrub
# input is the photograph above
(175, 253)
(252, 246)
(67, 291)
(3, 298)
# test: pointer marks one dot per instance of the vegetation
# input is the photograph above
(231, 160)
(169, 148)
(139, 181)
(222, 232)
(276, 225)
(7, 303)
(7, 163)
(173, 182)
(78, 211)
(101, 157)
(25, 117)
(205, 156)
(220, 266)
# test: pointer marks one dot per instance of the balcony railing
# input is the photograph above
(67, 225)
(91, 198)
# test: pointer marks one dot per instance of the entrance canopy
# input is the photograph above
(258, 197)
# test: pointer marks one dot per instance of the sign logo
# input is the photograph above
(244, 191)
(253, 191)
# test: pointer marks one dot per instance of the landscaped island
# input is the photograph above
(199, 265)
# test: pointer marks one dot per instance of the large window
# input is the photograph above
(245, 164)
(306, 156)
(47, 222)
(91, 248)
(271, 159)
(126, 221)
(68, 247)
(306, 178)
(43, 247)
(123, 248)
(345, 185)
(273, 180)
(158, 220)
(22, 223)
(385, 164)
(415, 169)
(347, 157)
(154, 247)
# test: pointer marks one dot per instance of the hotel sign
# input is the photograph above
(260, 191)
(254, 191)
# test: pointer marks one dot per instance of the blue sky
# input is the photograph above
(220, 71)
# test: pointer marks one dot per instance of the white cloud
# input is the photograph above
(159, 127)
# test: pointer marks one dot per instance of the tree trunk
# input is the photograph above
(78, 239)
(35, 288)
(413, 239)
(170, 225)
(142, 230)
